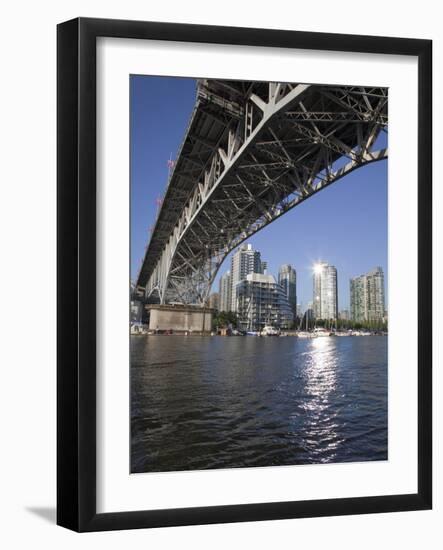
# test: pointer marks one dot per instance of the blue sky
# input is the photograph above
(345, 224)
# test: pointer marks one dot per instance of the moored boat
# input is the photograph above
(320, 331)
(269, 330)
(305, 334)
(138, 329)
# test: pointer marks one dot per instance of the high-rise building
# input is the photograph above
(368, 296)
(359, 299)
(213, 301)
(306, 319)
(244, 261)
(261, 301)
(376, 294)
(325, 303)
(287, 279)
(224, 298)
(136, 311)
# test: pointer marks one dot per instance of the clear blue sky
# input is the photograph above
(345, 224)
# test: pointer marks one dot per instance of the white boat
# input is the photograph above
(305, 334)
(137, 329)
(269, 330)
(320, 331)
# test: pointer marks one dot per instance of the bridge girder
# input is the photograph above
(279, 144)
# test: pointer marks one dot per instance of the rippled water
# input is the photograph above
(216, 402)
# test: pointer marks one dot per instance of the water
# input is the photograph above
(218, 402)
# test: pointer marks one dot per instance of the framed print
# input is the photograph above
(244, 274)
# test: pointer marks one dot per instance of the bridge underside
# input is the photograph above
(252, 151)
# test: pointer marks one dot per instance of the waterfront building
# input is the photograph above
(136, 311)
(376, 294)
(306, 320)
(325, 302)
(244, 261)
(261, 301)
(224, 298)
(358, 299)
(287, 279)
(368, 296)
(213, 301)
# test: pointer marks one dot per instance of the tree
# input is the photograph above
(224, 319)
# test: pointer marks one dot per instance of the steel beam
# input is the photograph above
(281, 144)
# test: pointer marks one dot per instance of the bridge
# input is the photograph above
(252, 152)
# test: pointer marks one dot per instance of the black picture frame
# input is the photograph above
(76, 265)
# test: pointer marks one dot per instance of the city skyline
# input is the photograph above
(345, 223)
(226, 283)
(248, 197)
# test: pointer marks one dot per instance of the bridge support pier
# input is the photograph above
(180, 318)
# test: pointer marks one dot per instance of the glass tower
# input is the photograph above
(325, 303)
(261, 301)
(287, 279)
(244, 261)
(224, 300)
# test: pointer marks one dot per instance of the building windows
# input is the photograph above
(368, 296)
(325, 303)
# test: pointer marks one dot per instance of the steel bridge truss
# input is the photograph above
(280, 143)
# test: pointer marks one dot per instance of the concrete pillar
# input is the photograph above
(180, 318)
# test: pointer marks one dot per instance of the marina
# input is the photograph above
(139, 329)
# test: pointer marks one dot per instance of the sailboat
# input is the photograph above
(305, 333)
